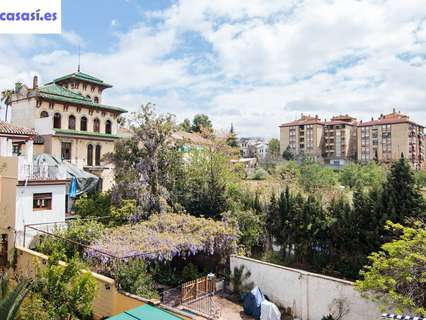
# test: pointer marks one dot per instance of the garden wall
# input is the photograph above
(108, 301)
(309, 295)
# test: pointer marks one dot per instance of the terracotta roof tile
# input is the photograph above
(7, 128)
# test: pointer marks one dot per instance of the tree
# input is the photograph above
(288, 154)
(402, 199)
(11, 300)
(314, 177)
(145, 163)
(200, 123)
(207, 174)
(185, 125)
(420, 177)
(231, 139)
(396, 276)
(65, 291)
(359, 176)
(6, 98)
(274, 149)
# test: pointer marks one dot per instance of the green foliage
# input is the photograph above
(239, 280)
(288, 154)
(289, 171)
(164, 273)
(200, 123)
(207, 175)
(124, 213)
(337, 238)
(189, 273)
(65, 291)
(133, 277)
(274, 149)
(231, 139)
(370, 175)
(314, 177)
(11, 300)
(93, 205)
(401, 197)
(328, 317)
(396, 276)
(185, 125)
(68, 240)
(258, 174)
(420, 178)
(251, 226)
(145, 163)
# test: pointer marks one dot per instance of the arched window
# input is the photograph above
(44, 114)
(57, 121)
(71, 122)
(90, 155)
(83, 124)
(96, 99)
(96, 125)
(108, 127)
(98, 155)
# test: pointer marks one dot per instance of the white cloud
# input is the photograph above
(72, 38)
(115, 23)
(261, 62)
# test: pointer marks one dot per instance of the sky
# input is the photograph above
(253, 63)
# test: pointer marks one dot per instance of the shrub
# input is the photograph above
(125, 213)
(259, 174)
(93, 205)
(189, 273)
(78, 231)
(239, 278)
(133, 277)
(64, 291)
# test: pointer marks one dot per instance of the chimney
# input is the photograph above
(394, 110)
(35, 82)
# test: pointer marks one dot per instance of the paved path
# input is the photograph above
(230, 310)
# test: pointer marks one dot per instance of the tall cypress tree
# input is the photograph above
(401, 197)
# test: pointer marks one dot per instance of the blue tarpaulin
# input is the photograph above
(252, 303)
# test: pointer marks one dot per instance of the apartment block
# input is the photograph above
(303, 136)
(339, 141)
(343, 139)
(391, 135)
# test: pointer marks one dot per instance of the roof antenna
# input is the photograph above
(78, 68)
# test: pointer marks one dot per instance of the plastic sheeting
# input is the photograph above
(269, 311)
(252, 303)
(50, 166)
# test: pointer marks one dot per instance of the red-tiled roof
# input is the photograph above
(7, 128)
(389, 119)
(303, 121)
(338, 122)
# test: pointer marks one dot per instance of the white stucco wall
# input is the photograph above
(24, 208)
(309, 295)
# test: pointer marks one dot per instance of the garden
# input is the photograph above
(176, 213)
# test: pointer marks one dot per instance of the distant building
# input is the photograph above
(339, 144)
(391, 135)
(72, 122)
(343, 139)
(303, 136)
(253, 147)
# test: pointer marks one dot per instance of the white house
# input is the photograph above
(29, 194)
(253, 148)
